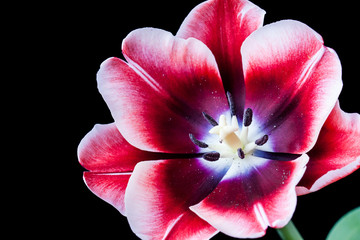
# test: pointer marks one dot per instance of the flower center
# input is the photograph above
(233, 140)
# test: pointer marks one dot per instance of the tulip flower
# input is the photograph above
(220, 127)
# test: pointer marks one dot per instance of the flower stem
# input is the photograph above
(289, 232)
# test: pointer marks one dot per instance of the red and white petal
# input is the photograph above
(104, 149)
(223, 26)
(292, 83)
(110, 187)
(190, 227)
(336, 153)
(160, 192)
(254, 194)
(163, 90)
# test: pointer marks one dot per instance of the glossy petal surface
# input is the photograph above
(336, 153)
(109, 186)
(175, 79)
(160, 192)
(190, 227)
(104, 149)
(253, 196)
(292, 83)
(223, 26)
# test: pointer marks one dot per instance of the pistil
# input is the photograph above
(230, 137)
(227, 132)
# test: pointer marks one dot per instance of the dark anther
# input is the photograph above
(231, 104)
(211, 156)
(248, 114)
(241, 153)
(261, 141)
(197, 142)
(210, 119)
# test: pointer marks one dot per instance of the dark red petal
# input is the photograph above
(223, 26)
(292, 83)
(336, 153)
(103, 149)
(158, 98)
(159, 192)
(190, 227)
(109, 186)
(254, 194)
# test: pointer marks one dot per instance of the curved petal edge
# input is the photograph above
(163, 89)
(292, 83)
(245, 203)
(223, 26)
(336, 153)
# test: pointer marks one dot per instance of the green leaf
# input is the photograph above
(347, 228)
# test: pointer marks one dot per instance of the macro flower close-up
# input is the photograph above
(219, 127)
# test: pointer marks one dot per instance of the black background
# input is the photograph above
(74, 39)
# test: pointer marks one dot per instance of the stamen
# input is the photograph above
(197, 142)
(210, 119)
(261, 141)
(250, 147)
(248, 114)
(211, 156)
(231, 104)
(241, 153)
